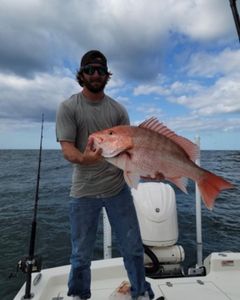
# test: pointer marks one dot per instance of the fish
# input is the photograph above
(152, 150)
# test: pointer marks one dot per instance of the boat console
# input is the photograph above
(157, 214)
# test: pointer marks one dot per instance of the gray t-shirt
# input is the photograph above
(77, 118)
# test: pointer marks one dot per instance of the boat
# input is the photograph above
(216, 277)
(221, 281)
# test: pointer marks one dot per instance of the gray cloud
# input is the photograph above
(37, 35)
(26, 98)
(40, 39)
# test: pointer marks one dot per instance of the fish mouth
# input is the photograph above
(99, 143)
(97, 139)
(106, 152)
(111, 154)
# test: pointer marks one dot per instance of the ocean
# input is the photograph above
(18, 174)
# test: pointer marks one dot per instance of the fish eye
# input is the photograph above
(110, 132)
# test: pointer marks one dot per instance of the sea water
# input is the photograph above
(18, 175)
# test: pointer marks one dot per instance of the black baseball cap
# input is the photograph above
(93, 57)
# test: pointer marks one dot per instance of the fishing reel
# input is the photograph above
(35, 263)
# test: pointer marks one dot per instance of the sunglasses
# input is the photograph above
(90, 70)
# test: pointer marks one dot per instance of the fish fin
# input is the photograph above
(131, 179)
(118, 161)
(157, 176)
(190, 148)
(210, 186)
(180, 182)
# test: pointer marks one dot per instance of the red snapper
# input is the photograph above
(153, 150)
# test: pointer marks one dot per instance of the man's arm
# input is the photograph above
(72, 154)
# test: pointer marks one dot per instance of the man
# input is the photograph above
(96, 183)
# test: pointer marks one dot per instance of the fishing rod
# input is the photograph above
(233, 4)
(33, 263)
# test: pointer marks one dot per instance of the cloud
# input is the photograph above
(150, 110)
(168, 89)
(181, 52)
(212, 64)
(27, 98)
(191, 125)
(202, 19)
(195, 124)
(36, 35)
(221, 98)
(202, 96)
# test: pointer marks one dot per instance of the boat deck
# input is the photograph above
(222, 281)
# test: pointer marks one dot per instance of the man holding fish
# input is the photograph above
(97, 183)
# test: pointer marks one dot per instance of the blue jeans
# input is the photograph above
(84, 217)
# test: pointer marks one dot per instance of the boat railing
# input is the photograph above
(107, 236)
(198, 214)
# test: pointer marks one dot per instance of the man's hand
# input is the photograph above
(90, 154)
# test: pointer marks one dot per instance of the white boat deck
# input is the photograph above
(222, 281)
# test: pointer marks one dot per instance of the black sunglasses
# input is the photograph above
(90, 70)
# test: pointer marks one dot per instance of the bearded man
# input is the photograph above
(95, 182)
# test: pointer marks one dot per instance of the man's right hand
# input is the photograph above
(89, 156)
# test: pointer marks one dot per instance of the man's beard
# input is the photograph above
(95, 88)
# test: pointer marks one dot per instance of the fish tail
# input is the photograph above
(210, 186)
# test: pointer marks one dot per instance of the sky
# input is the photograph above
(178, 61)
